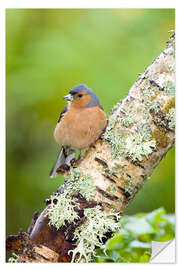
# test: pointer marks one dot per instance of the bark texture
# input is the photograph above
(139, 134)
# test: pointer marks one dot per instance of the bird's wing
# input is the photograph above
(64, 110)
(101, 107)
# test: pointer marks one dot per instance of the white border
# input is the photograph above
(90, 4)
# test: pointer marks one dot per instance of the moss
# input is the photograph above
(90, 234)
(170, 104)
(155, 159)
(111, 188)
(14, 258)
(161, 139)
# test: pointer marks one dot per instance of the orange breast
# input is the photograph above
(79, 128)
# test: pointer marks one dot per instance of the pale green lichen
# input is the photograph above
(127, 121)
(62, 206)
(129, 186)
(61, 209)
(141, 149)
(133, 146)
(83, 184)
(90, 234)
(153, 106)
(110, 128)
(172, 68)
(147, 92)
(171, 117)
(169, 88)
(144, 131)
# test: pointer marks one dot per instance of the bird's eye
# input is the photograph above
(80, 95)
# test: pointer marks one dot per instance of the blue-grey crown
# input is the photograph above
(82, 87)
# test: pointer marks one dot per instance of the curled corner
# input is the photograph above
(163, 252)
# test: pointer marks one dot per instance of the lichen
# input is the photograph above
(153, 106)
(90, 234)
(141, 148)
(110, 128)
(147, 92)
(169, 88)
(129, 186)
(171, 118)
(133, 146)
(61, 209)
(62, 206)
(127, 121)
(172, 68)
(82, 184)
(145, 131)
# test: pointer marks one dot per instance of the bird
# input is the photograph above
(81, 122)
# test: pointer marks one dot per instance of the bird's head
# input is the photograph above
(82, 96)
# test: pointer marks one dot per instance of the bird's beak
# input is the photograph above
(69, 97)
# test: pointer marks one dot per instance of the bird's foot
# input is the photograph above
(63, 168)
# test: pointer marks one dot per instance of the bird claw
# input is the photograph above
(63, 168)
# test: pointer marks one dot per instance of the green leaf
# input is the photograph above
(134, 241)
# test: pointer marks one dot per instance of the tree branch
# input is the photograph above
(82, 213)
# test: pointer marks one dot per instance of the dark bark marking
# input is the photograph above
(107, 195)
(124, 192)
(109, 178)
(102, 162)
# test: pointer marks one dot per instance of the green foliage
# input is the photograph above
(134, 242)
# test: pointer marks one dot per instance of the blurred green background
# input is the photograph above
(48, 51)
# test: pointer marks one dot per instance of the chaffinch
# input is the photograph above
(80, 124)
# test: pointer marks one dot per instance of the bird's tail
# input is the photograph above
(59, 161)
(65, 156)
